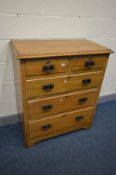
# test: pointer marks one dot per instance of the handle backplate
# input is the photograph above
(48, 87)
(46, 127)
(83, 100)
(89, 63)
(86, 81)
(48, 68)
(47, 107)
(79, 118)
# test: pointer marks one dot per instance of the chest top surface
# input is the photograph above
(24, 49)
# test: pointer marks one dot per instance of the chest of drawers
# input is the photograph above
(57, 85)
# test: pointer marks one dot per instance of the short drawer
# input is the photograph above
(61, 103)
(47, 86)
(84, 63)
(46, 67)
(65, 120)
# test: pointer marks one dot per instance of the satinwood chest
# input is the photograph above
(57, 85)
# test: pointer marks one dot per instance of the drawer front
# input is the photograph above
(89, 63)
(48, 86)
(65, 120)
(61, 103)
(46, 67)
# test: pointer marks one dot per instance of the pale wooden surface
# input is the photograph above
(59, 122)
(63, 84)
(52, 48)
(84, 125)
(79, 64)
(61, 66)
(61, 103)
(34, 67)
(67, 86)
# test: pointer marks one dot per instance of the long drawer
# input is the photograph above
(65, 120)
(86, 63)
(61, 103)
(47, 86)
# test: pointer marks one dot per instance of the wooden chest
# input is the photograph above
(57, 85)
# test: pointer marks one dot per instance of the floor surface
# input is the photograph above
(84, 152)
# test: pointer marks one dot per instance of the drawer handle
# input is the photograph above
(79, 118)
(86, 81)
(47, 107)
(46, 127)
(89, 63)
(47, 87)
(82, 100)
(48, 68)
